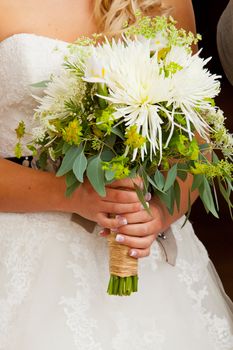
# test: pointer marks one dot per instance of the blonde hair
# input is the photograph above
(110, 15)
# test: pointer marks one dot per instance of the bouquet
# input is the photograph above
(134, 106)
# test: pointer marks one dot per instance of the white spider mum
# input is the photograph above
(193, 86)
(136, 87)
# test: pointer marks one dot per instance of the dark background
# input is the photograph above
(216, 234)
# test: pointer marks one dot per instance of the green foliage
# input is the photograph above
(95, 174)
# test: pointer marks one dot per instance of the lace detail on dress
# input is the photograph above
(76, 308)
(194, 276)
(146, 334)
(19, 257)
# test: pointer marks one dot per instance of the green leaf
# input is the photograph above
(41, 84)
(65, 148)
(197, 181)
(177, 194)
(215, 158)
(141, 197)
(207, 198)
(144, 176)
(182, 171)
(159, 180)
(95, 174)
(70, 179)
(79, 166)
(154, 184)
(110, 140)
(226, 195)
(68, 160)
(70, 190)
(107, 155)
(168, 199)
(42, 161)
(170, 179)
(117, 132)
(109, 175)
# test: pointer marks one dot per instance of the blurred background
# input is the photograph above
(215, 234)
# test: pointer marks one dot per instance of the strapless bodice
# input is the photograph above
(25, 59)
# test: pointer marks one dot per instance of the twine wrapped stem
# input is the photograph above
(123, 269)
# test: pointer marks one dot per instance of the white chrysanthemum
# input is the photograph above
(62, 88)
(159, 42)
(135, 85)
(192, 87)
(179, 55)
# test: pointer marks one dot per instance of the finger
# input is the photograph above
(138, 229)
(135, 242)
(139, 253)
(120, 196)
(139, 217)
(113, 223)
(121, 208)
(104, 232)
(127, 182)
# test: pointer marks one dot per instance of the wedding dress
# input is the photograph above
(54, 273)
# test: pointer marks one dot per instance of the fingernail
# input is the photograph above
(121, 220)
(101, 233)
(120, 238)
(148, 196)
(147, 204)
(114, 230)
(133, 253)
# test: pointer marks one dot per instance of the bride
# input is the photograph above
(53, 269)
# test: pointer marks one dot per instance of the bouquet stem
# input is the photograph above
(123, 269)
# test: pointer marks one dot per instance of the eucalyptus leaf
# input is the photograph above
(70, 179)
(177, 194)
(109, 175)
(207, 198)
(168, 199)
(107, 155)
(65, 148)
(70, 190)
(154, 184)
(159, 180)
(95, 174)
(170, 179)
(182, 171)
(197, 181)
(79, 166)
(68, 160)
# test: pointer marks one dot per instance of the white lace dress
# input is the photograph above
(54, 274)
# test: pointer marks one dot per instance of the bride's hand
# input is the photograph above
(87, 203)
(141, 231)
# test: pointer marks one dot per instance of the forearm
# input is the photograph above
(27, 190)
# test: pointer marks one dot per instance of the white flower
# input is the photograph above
(192, 87)
(136, 87)
(157, 43)
(63, 87)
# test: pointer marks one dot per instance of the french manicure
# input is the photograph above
(120, 238)
(121, 220)
(148, 196)
(133, 253)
